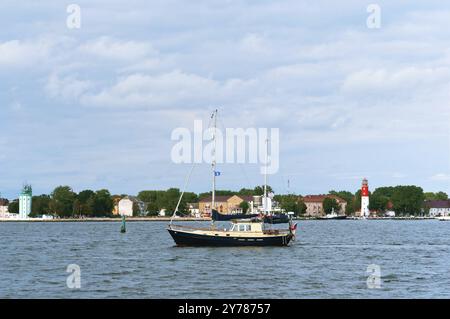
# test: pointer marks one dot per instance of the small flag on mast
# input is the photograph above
(216, 173)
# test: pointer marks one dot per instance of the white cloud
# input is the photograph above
(441, 177)
(67, 88)
(173, 89)
(23, 53)
(410, 79)
(110, 48)
(254, 43)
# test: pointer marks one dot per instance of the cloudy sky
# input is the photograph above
(94, 107)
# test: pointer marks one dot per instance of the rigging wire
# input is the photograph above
(186, 182)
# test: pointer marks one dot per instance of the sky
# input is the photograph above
(94, 107)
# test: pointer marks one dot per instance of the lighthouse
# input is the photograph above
(25, 202)
(365, 198)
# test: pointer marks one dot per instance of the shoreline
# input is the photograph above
(185, 219)
(102, 219)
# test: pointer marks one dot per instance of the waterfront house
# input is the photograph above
(130, 204)
(162, 212)
(3, 207)
(229, 204)
(438, 207)
(194, 209)
(314, 204)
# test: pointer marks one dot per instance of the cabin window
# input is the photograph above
(244, 228)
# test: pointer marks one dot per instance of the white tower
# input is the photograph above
(365, 198)
(25, 202)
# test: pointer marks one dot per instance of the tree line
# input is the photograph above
(64, 202)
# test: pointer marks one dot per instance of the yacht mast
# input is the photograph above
(213, 200)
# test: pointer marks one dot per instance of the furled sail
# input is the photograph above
(276, 219)
(216, 216)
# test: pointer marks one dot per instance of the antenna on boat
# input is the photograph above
(265, 177)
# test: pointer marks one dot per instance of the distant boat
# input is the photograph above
(443, 218)
(333, 215)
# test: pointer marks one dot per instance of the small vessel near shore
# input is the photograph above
(242, 229)
(332, 216)
(443, 218)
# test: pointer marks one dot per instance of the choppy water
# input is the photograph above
(328, 260)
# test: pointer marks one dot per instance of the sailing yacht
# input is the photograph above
(243, 229)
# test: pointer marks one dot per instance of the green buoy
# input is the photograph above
(123, 228)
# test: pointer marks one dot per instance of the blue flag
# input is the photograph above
(216, 173)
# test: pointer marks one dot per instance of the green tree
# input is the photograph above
(436, 196)
(152, 209)
(13, 207)
(246, 191)
(378, 202)
(136, 210)
(245, 206)
(357, 201)
(408, 200)
(83, 206)
(190, 197)
(385, 191)
(157, 200)
(61, 202)
(349, 198)
(259, 190)
(329, 204)
(40, 205)
(102, 203)
(441, 196)
(291, 203)
(170, 201)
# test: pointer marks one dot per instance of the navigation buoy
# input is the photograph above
(123, 228)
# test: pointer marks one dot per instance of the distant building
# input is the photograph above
(162, 212)
(314, 204)
(4, 207)
(126, 206)
(438, 207)
(226, 204)
(194, 209)
(389, 213)
(25, 202)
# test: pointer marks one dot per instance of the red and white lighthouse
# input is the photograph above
(365, 198)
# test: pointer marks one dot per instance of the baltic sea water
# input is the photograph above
(329, 259)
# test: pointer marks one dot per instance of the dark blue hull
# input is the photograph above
(183, 238)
